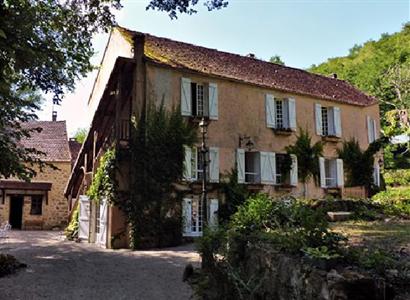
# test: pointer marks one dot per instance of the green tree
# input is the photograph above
(308, 157)
(173, 7)
(276, 60)
(80, 135)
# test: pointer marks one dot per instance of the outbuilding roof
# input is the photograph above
(52, 140)
(246, 69)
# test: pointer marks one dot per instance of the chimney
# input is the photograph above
(54, 116)
(333, 75)
(251, 55)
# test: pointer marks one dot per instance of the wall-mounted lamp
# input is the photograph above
(249, 144)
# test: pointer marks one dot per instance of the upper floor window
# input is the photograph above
(199, 99)
(331, 173)
(193, 164)
(265, 168)
(371, 130)
(280, 113)
(328, 121)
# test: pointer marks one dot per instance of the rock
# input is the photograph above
(337, 216)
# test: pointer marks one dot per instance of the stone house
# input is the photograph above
(40, 203)
(254, 109)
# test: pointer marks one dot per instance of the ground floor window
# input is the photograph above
(331, 172)
(36, 205)
(192, 214)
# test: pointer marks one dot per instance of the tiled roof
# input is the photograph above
(52, 140)
(250, 70)
(75, 148)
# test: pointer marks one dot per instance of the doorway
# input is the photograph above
(16, 211)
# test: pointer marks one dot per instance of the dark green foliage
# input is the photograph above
(172, 7)
(235, 195)
(396, 156)
(307, 154)
(104, 184)
(358, 164)
(276, 60)
(157, 153)
(45, 45)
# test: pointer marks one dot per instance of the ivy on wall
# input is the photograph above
(104, 184)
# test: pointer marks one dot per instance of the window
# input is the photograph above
(199, 99)
(280, 113)
(371, 130)
(192, 214)
(328, 120)
(252, 167)
(36, 205)
(331, 172)
(193, 164)
(280, 160)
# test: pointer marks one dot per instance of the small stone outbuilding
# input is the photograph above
(40, 204)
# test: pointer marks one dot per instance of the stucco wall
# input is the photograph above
(242, 112)
(55, 213)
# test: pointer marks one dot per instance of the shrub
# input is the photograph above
(395, 201)
(397, 177)
(71, 232)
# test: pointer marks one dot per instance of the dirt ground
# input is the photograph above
(59, 269)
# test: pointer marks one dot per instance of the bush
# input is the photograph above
(398, 177)
(395, 201)
(71, 232)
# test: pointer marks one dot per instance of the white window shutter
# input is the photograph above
(186, 215)
(340, 178)
(322, 172)
(337, 121)
(370, 131)
(318, 117)
(186, 101)
(188, 163)
(294, 170)
(375, 132)
(214, 164)
(376, 175)
(292, 113)
(213, 101)
(270, 111)
(213, 213)
(268, 170)
(240, 163)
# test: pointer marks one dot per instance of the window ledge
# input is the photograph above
(254, 186)
(331, 138)
(197, 119)
(283, 187)
(282, 131)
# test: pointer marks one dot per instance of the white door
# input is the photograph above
(102, 228)
(84, 218)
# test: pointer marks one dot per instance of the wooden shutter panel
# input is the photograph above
(268, 167)
(213, 213)
(186, 101)
(270, 111)
(337, 121)
(370, 131)
(214, 164)
(322, 172)
(292, 113)
(186, 215)
(213, 101)
(340, 178)
(375, 132)
(188, 163)
(318, 118)
(240, 164)
(294, 170)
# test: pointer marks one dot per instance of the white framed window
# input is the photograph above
(192, 215)
(376, 175)
(331, 172)
(264, 167)
(328, 120)
(280, 113)
(193, 164)
(372, 132)
(199, 99)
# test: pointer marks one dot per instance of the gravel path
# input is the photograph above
(59, 269)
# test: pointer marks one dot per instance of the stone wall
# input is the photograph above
(55, 212)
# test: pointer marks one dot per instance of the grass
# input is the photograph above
(393, 235)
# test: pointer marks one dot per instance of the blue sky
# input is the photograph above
(301, 32)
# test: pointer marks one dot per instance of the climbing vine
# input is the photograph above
(157, 155)
(104, 184)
